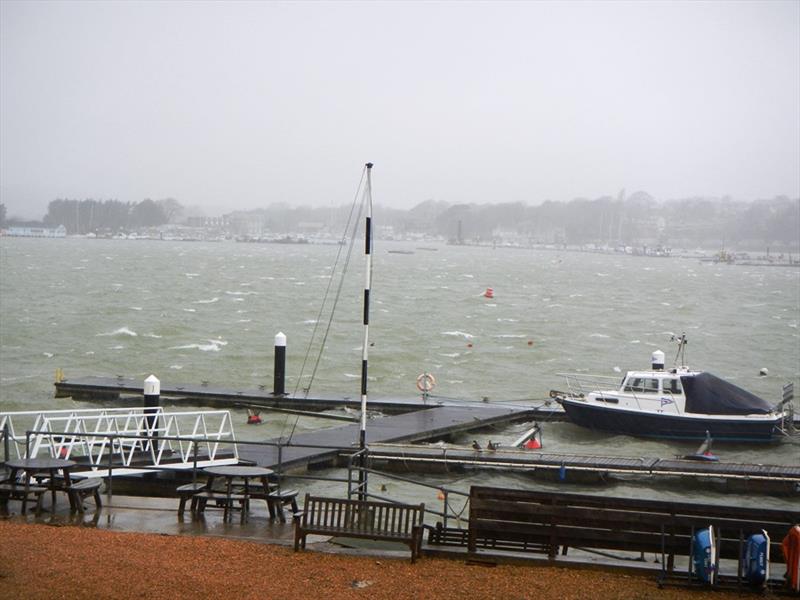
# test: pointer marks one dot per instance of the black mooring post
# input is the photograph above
(152, 400)
(279, 379)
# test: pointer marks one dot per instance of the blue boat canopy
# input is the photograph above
(710, 395)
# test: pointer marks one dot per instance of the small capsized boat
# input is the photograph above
(755, 561)
(704, 555)
(676, 403)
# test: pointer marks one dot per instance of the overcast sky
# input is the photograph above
(238, 105)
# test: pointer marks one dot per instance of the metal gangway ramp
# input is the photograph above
(130, 440)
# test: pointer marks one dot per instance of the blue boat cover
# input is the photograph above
(708, 394)
(755, 559)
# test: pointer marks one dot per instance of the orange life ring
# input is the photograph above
(426, 382)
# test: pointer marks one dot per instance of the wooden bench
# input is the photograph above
(18, 491)
(81, 489)
(600, 522)
(360, 519)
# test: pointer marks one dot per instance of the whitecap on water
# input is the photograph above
(117, 348)
(602, 274)
(120, 331)
(466, 336)
(246, 293)
(48, 354)
(634, 342)
(192, 274)
(502, 320)
(176, 367)
(211, 301)
(451, 355)
(508, 335)
(598, 335)
(212, 346)
(152, 335)
(135, 307)
(189, 310)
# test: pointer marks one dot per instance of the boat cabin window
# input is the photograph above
(647, 385)
(672, 386)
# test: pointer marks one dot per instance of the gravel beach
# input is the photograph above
(45, 561)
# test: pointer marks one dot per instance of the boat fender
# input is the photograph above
(426, 382)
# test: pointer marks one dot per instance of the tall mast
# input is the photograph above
(367, 285)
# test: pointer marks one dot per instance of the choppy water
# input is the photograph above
(209, 311)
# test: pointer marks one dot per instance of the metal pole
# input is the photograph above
(194, 461)
(362, 440)
(109, 487)
(5, 441)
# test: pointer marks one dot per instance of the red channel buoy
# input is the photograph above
(489, 293)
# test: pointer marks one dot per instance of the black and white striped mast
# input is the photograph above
(367, 286)
(362, 440)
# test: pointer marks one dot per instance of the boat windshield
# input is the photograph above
(672, 386)
(646, 385)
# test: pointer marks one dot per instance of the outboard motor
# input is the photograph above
(657, 360)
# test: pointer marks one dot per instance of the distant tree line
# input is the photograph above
(90, 216)
(638, 219)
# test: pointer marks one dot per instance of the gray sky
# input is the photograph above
(237, 105)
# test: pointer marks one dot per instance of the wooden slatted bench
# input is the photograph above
(17, 491)
(601, 522)
(81, 489)
(370, 520)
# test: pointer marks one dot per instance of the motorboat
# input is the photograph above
(676, 403)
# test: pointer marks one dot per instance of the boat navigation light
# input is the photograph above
(657, 360)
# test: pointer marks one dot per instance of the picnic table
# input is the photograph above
(33, 467)
(240, 477)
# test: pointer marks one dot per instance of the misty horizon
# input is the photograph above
(238, 106)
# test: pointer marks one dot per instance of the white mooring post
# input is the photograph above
(152, 400)
(279, 373)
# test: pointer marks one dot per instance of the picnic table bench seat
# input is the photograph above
(363, 519)
(187, 492)
(81, 489)
(221, 499)
(18, 491)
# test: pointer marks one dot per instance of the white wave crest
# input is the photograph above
(598, 335)
(214, 299)
(120, 331)
(466, 336)
(247, 293)
(211, 346)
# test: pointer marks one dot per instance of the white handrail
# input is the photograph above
(92, 433)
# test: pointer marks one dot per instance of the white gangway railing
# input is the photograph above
(131, 437)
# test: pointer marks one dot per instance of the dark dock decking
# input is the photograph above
(112, 388)
(777, 477)
(417, 426)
